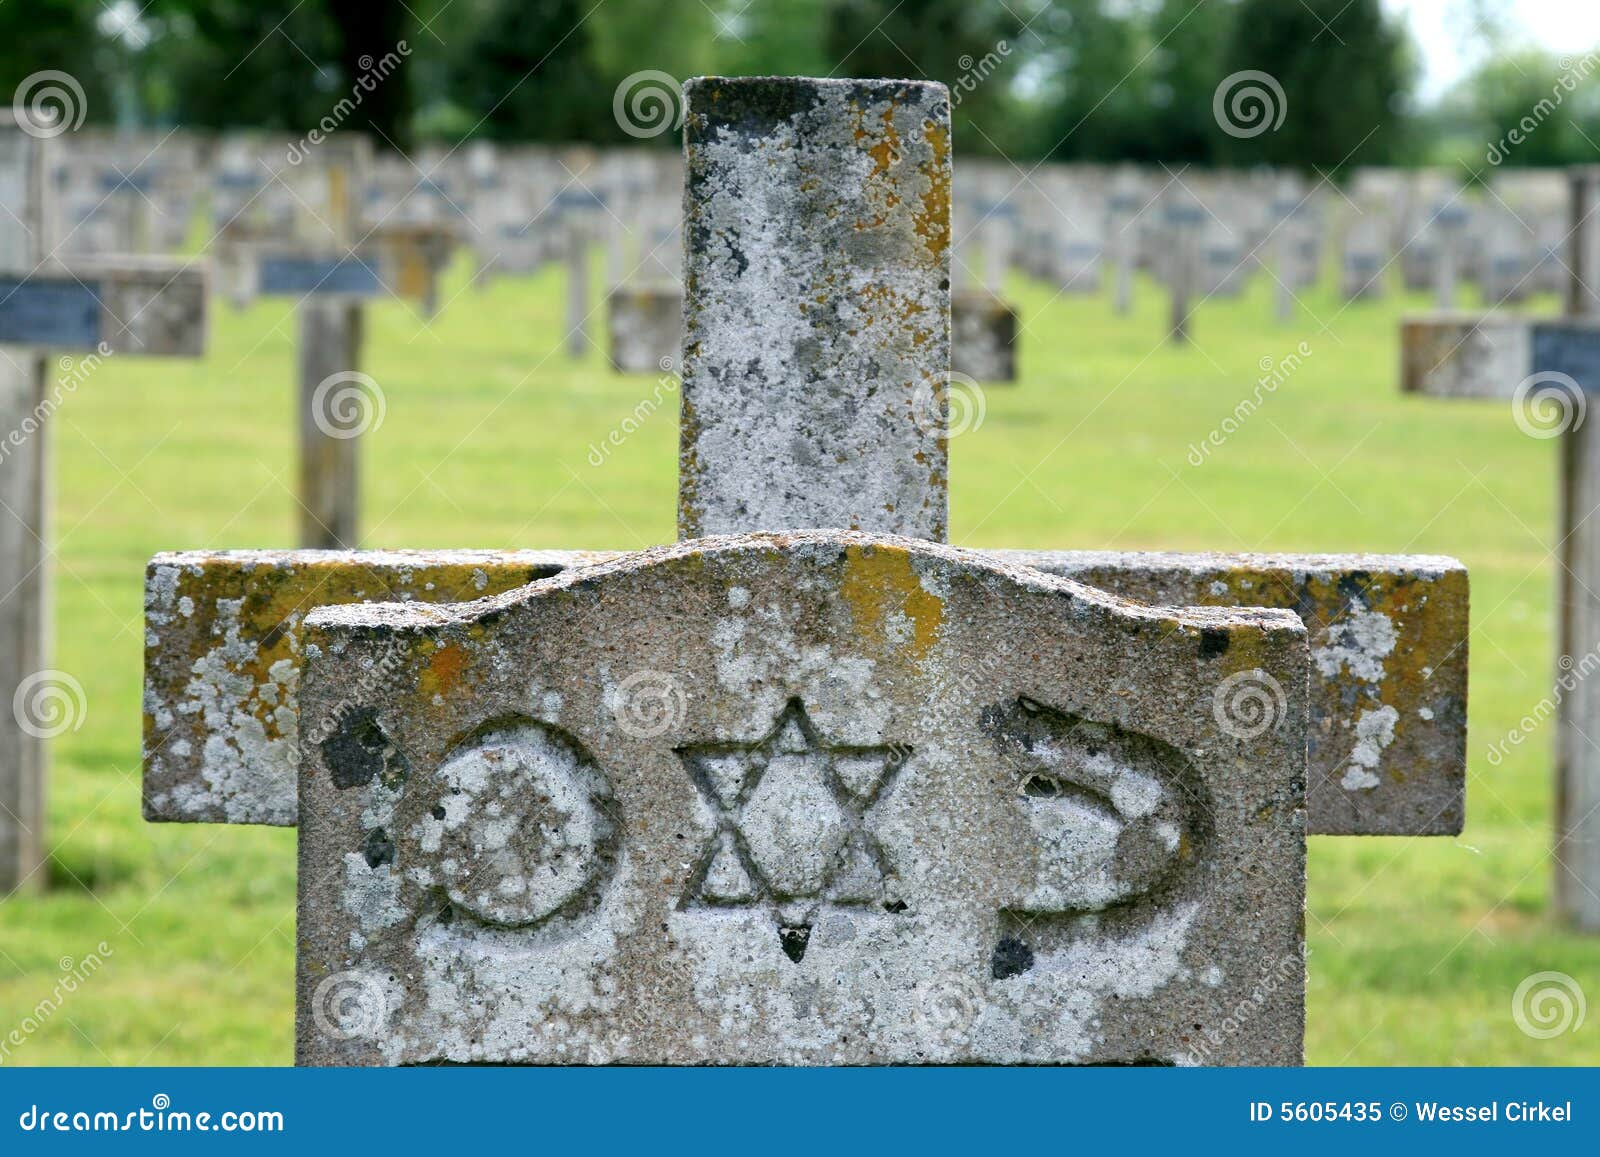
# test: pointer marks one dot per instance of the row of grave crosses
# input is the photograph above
(83, 309)
(56, 298)
(795, 795)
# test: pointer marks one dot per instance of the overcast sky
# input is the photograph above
(1442, 31)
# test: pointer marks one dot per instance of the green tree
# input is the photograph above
(530, 74)
(1531, 109)
(1340, 66)
(55, 35)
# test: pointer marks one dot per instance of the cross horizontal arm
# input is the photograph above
(1387, 704)
(149, 306)
(1462, 356)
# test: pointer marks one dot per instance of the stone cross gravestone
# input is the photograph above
(899, 802)
(1124, 206)
(332, 265)
(1183, 218)
(97, 308)
(1550, 370)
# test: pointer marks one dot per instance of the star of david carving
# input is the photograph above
(791, 825)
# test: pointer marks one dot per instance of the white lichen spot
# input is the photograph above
(1359, 642)
(1374, 732)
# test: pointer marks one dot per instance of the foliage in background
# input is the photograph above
(1097, 80)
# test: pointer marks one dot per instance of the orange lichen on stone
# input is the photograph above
(879, 582)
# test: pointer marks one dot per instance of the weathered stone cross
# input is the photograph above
(332, 268)
(793, 795)
(100, 308)
(1551, 371)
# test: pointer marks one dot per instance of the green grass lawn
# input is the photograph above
(1417, 944)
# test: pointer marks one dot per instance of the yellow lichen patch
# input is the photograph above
(879, 583)
(932, 222)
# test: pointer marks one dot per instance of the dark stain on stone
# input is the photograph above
(1213, 642)
(1011, 958)
(1356, 587)
(354, 753)
(378, 848)
(438, 811)
(795, 938)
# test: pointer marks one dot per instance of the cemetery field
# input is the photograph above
(493, 436)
